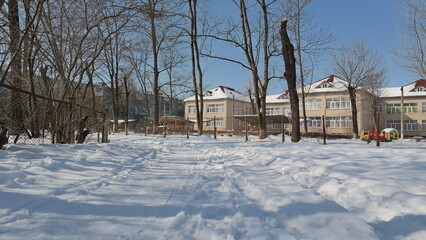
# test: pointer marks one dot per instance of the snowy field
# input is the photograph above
(141, 187)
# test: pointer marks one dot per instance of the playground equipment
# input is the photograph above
(386, 135)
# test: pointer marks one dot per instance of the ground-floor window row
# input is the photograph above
(211, 122)
(409, 125)
(316, 122)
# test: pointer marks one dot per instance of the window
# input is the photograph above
(191, 109)
(393, 108)
(286, 111)
(312, 121)
(394, 124)
(424, 125)
(419, 89)
(273, 111)
(396, 108)
(410, 125)
(166, 108)
(339, 122)
(325, 84)
(238, 110)
(424, 107)
(215, 108)
(338, 103)
(410, 107)
(219, 122)
(311, 104)
(276, 126)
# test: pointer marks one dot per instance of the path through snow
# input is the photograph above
(172, 188)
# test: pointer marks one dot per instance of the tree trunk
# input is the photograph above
(156, 89)
(126, 105)
(376, 120)
(290, 75)
(195, 62)
(352, 95)
(16, 67)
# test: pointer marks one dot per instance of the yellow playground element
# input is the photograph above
(386, 135)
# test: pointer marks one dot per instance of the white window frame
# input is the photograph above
(311, 104)
(338, 103)
(339, 122)
(219, 122)
(312, 121)
(395, 108)
(410, 125)
(215, 108)
(410, 107)
(192, 109)
(286, 112)
(273, 111)
(394, 124)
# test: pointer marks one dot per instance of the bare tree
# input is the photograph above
(196, 65)
(412, 54)
(310, 41)
(73, 36)
(174, 64)
(160, 20)
(126, 82)
(290, 76)
(356, 63)
(257, 40)
(375, 85)
(138, 61)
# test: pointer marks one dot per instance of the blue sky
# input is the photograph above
(377, 21)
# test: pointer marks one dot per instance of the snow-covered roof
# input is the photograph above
(416, 88)
(222, 92)
(278, 98)
(329, 84)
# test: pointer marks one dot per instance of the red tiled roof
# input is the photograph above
(331, 79)
(420, 82)
(230, 89)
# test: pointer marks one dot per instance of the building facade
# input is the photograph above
(326, 98)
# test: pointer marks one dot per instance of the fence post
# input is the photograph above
(282, 129)
(323, 129)
(214, 127)
(187, 128)
(245, 118)
(72, 120)
(145, 123)
(165, 128)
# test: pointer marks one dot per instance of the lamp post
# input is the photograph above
(402, 113)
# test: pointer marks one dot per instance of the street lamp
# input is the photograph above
(402, 113)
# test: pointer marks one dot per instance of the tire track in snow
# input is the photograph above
(81, 187)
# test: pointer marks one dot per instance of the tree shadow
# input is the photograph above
(400, 226)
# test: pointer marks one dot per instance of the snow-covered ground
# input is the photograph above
(141, 187)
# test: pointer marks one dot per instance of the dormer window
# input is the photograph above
(419, 89)
(283, 96)
(325, 84)
(208, 94)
